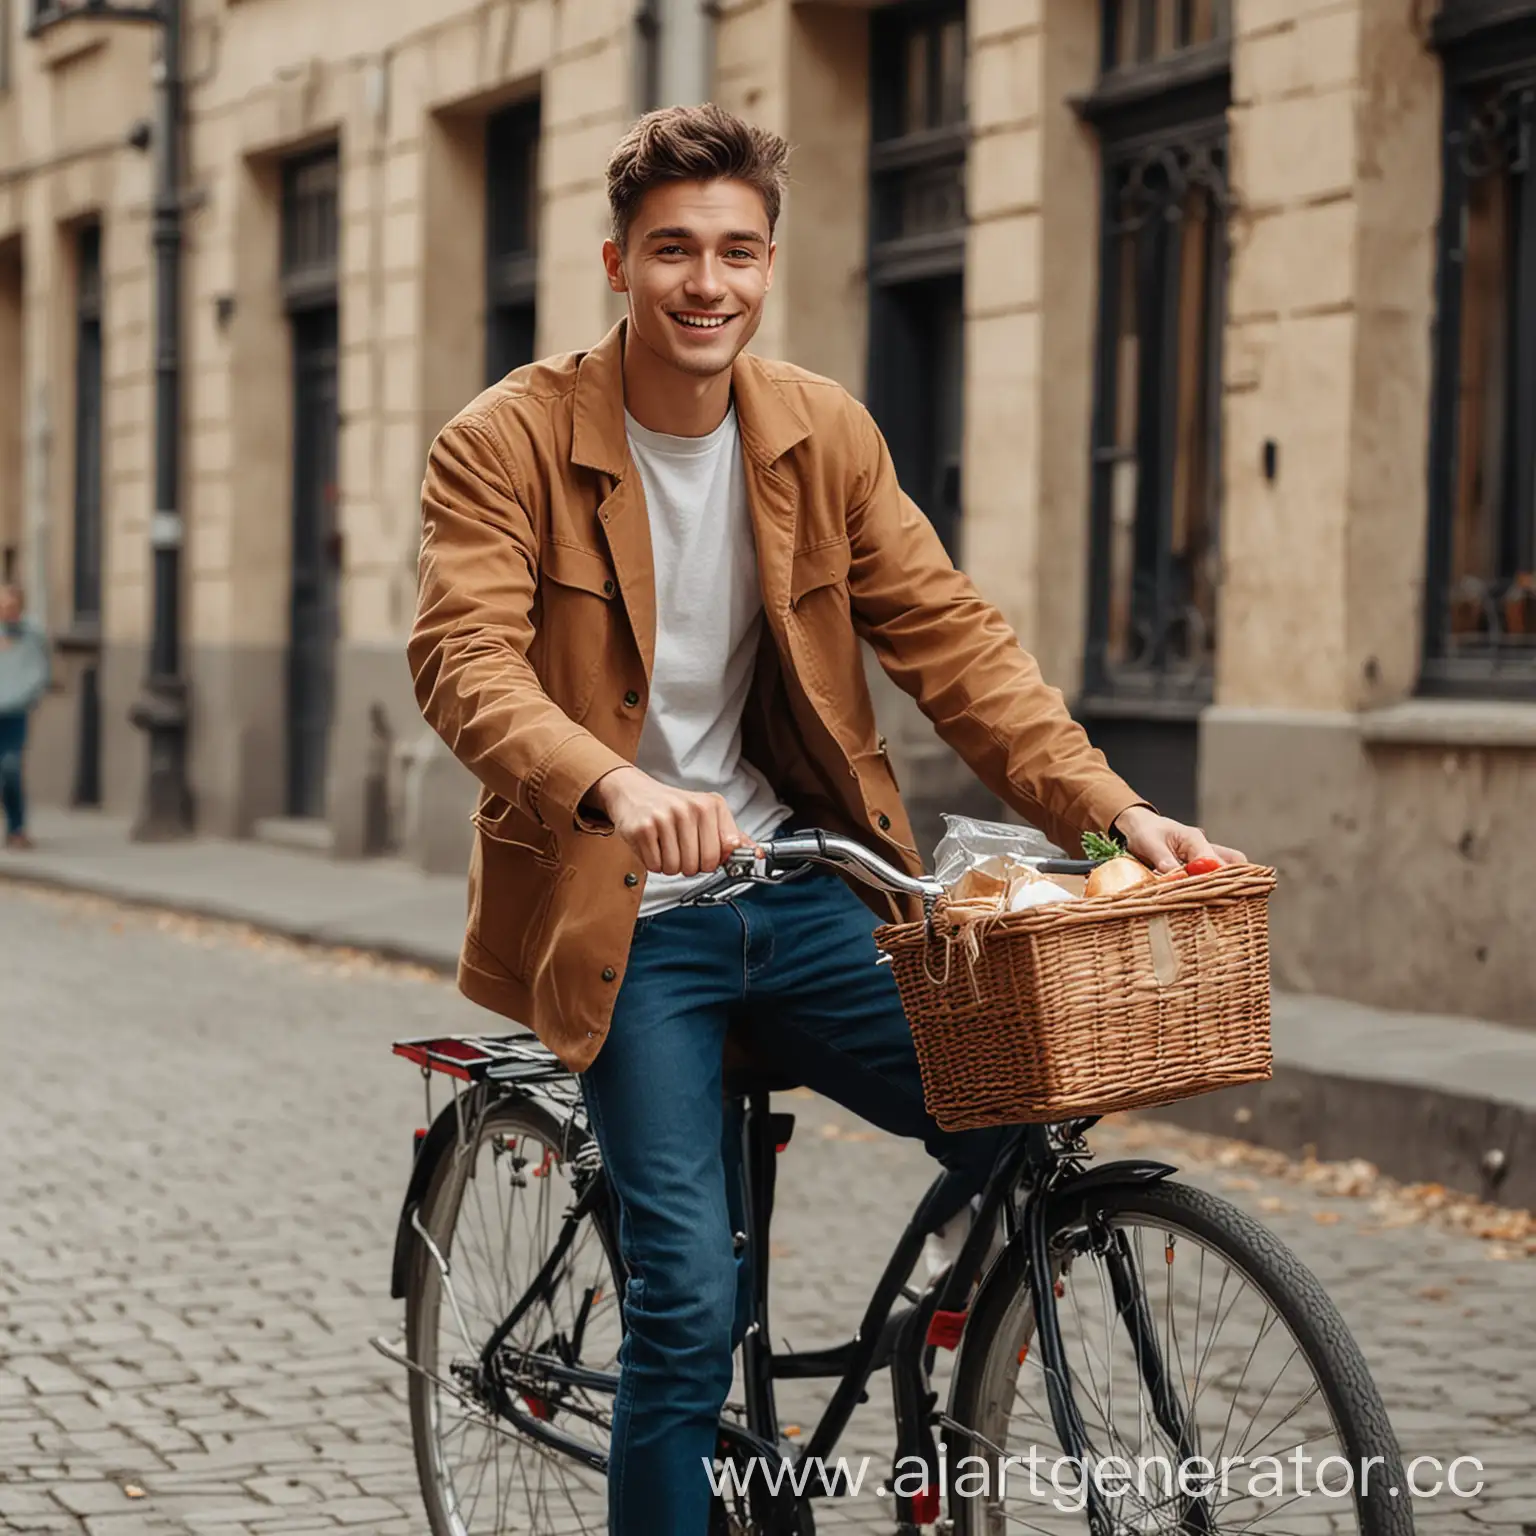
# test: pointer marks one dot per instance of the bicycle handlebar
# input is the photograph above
(782, 857)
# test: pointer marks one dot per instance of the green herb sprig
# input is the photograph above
(1102, 846)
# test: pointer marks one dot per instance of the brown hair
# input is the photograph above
(704, 143)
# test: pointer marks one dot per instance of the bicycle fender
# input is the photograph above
(440, 1138)
(1127, 1171)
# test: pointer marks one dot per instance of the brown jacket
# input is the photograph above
(535, 633)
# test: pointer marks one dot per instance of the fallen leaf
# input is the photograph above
(134, 1491)
(1238, 1182)
(1275, 1204)
(1326, 1218)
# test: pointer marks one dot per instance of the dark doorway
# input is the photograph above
(920, 353)
(310, 249)
(512, 236)
(86, 557)
(917, 252)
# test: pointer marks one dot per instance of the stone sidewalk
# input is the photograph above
(1423, 1096)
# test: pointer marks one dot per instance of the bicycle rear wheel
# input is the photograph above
(494, 1209)
(1164, 1281)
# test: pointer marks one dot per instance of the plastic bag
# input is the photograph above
(991, 852)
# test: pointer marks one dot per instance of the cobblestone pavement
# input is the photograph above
(206, 1144)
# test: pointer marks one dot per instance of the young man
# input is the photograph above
(23, 681)
(645, 572)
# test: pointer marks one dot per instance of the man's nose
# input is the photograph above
(704, 279)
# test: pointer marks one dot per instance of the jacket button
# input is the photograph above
(631, 881)
(608, 588)
(609, 973)
(884, 822)
(631, 699)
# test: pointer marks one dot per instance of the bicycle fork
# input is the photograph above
(1131, 1308)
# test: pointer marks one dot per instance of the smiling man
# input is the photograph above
(645, 574)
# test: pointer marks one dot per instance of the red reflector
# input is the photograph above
(779, 1146)
(536, 1406)
(944, 1330)
(430, 1056)
(418, 1136)
(925, 1506)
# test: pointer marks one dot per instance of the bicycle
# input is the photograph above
(1092, 1309)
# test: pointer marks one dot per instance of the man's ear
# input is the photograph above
(773, 247)
(613, 264)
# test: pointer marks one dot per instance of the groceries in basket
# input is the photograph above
(987, 868)
(1127, 989)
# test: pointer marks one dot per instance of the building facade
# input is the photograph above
(1202, 330)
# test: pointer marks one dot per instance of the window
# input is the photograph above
(1480, 608)
(1156, 428)
(917, 250)
(1140, 32)
(311, 230)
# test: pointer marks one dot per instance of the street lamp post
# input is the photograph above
(161, 710)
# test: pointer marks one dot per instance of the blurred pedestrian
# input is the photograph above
(23, 681)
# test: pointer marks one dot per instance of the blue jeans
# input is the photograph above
(793, 965)
(13, 739)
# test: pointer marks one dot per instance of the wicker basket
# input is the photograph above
(1090, 1006)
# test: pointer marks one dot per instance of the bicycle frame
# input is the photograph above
(1046, 1171)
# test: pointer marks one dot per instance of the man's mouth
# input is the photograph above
(700, 322)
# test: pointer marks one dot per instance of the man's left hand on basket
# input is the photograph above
(1163, 843)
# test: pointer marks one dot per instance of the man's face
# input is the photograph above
(696, 266)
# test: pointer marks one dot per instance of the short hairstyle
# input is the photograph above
(704, 143)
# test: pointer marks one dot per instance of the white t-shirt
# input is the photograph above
(709, 614)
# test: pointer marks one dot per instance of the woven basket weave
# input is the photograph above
(1090, 1006)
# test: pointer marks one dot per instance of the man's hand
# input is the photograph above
(1164, 844)
(673, 831)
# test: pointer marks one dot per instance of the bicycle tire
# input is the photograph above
(1003, 1308)
(439, 1213)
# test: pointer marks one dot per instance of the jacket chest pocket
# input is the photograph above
(828, 658)
(577, 590)
(820, 576)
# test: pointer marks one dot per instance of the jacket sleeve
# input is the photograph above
(468, 649)
(944, 644)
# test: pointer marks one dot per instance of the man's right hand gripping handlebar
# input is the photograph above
(672, 831)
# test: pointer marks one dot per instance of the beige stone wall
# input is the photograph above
(403, 90)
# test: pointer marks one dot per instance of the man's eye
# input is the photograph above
(740, 254)
(670, 250)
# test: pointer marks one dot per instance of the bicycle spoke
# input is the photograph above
(1223, 1369)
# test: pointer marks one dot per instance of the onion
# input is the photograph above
(1116, 875)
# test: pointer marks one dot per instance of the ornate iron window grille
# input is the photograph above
(1156, 434)
(1480, 587)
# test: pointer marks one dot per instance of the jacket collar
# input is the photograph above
(770, 424)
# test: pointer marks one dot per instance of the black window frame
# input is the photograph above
(1171, 114)
(1488, 56)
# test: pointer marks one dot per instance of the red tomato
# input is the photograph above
(1202, 866)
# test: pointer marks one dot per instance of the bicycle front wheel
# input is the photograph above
(497, 1214)
(1197, 1346)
